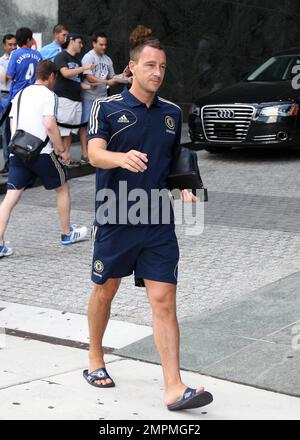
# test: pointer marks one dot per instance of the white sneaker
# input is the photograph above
(5, 251)
(76, 234)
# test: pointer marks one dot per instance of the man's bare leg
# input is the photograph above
(162, 297)
(98, 317)
(83, 142)
(67, 141)
(10, 200)
(63, 199)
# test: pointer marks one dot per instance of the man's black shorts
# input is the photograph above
(150, 252)
(47, 167)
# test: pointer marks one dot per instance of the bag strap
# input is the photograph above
(5, 114)
(18, 107)
(18, 113)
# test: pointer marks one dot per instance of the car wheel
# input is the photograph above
(218, 150)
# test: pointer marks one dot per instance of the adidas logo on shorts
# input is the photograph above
(123, 119)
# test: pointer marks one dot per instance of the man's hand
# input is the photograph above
(188, 197)
(134, 161)
(66, 157)
(127, 72)
(58, 150)
(85, 86)
(90, 67)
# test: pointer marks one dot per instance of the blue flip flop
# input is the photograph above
(191, 399)
(100, 374)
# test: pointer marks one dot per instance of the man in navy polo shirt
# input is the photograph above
(132, 141)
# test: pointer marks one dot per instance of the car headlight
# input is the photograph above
(195, 110)
(280, 110)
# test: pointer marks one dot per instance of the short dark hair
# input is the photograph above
(59, 28)
(7, 37)
(44, 69)
(136, 50)
(23, 35)
(97, 35)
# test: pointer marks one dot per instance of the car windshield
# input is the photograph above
(276, 69)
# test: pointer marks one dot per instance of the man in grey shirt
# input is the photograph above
(103, 76)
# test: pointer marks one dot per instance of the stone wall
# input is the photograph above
(210, 43)
(38, 15)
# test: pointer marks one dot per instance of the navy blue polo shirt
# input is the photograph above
(128, 124)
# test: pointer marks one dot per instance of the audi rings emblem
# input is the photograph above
(225, 114)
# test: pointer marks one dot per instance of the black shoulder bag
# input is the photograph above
(24, 145)
(185, 173)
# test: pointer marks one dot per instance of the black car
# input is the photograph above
(261, 110)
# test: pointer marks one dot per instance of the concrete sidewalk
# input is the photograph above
(43, 380)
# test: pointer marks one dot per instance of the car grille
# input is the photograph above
(226, 123)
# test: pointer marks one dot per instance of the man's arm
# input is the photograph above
(94, 80)
(100, 157)
(54, 133)
(68, 73)
(111, 73)
(2, 74)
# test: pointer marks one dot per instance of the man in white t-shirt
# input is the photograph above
(37, 115)
(101, 77)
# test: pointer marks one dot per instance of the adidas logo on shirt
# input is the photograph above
(123, 120)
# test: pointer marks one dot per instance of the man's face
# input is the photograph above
(60, 37)
(51, 81)
(77, 45)
(10, 45)
(149, 71)
(100, 46)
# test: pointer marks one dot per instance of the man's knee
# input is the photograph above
(63, 189)
(12, 197)
(106, 292)
(163, 300)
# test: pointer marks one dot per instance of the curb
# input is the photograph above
(73, 172)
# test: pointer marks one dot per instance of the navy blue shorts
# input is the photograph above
(150, 252)
(47, 167)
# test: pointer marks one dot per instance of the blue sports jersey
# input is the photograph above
(127, 124)
(22, 69)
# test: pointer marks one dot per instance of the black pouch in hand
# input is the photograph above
(185, 173)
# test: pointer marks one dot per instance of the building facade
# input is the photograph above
(210, 43)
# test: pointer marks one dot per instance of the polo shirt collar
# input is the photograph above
(132, 101)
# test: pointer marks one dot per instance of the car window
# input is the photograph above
(275, 69)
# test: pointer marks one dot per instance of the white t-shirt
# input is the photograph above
(4, 85)
(37, 101)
